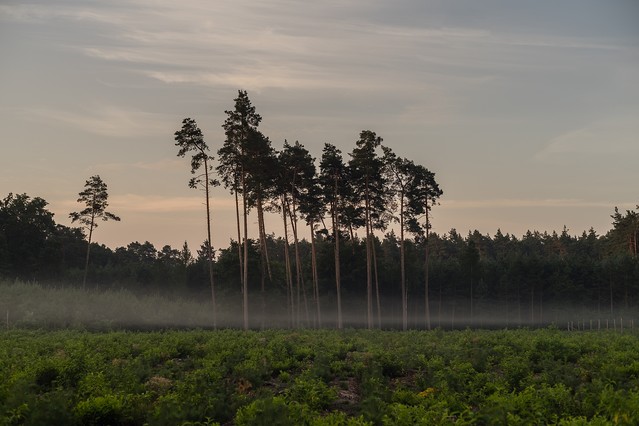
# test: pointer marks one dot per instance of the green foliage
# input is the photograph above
(101, 410)
(318, 377)
(272, 411)
(312, 392)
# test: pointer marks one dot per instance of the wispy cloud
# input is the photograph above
(527, 203)
(613, 135)
(37, 13)
(256, 46)
(121, 204)
(156, 203)
(102, 120)
(159, 165)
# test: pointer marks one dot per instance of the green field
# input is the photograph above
(318, 377)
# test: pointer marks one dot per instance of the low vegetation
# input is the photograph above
(318, 377)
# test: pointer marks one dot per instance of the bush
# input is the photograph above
(102, 411)
(272, 411)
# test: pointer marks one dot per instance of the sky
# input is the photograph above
(526, 111)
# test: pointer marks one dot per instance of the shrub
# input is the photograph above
(312, 392)
(272, 411)
(101, 410)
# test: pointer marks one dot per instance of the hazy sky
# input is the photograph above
(527, 111)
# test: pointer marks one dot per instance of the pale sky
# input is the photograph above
(527, 111)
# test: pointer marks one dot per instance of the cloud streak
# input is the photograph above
(609, 136)
(103, 120)
(527, 203)
(283, 45)
(137, 203)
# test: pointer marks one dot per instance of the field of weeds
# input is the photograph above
(320, 377)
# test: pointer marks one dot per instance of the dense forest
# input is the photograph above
(336, 261)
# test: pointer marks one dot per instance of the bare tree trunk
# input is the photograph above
(298, 265)
(337, 266)
(352, 234)
(402, 264)
(315, 277)
(263, 262)
(369, 281)
(426, 271)
(289, 275)
(245, 263)
(86, 260)
(262, 230)
(209, 254)
(307, 313)
(379, 304)
(239, 239)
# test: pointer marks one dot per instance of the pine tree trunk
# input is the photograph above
(379, 304)
(263, 260)
(210, 245)
(402, 264)
(426, 280)
(369, 282)
(298, 266)
(239, 239)
(337, 266)
(289, 275)
(262, 228)
(315, 278)
(86, 260)
(245, 261)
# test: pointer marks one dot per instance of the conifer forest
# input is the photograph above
(351, 312)
(354, 248)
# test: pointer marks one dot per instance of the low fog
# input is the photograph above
(37, 306)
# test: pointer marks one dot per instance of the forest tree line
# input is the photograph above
(471, 275)
(324, 273)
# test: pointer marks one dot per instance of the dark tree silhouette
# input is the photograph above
(367, 174)
(94, 196)
(422, 193)
(313, 209)
(240, 123)
(399, 178)
(625, 232)
(301, 186)
(26, 226)
(261, 177)
(190, 139)
(333, 181)
(297, 173)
